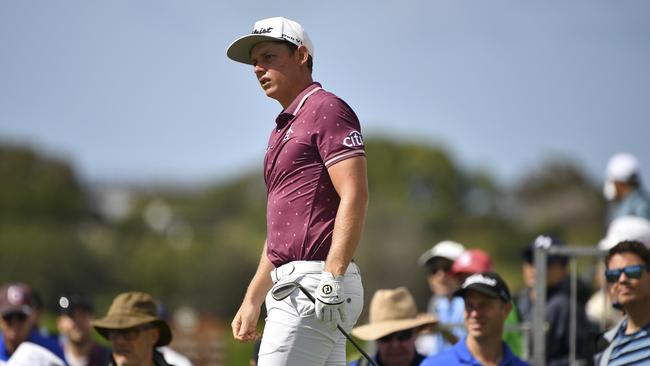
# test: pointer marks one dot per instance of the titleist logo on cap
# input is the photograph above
(262, 30)
(479, 278)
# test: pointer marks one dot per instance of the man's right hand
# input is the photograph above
(244, 325)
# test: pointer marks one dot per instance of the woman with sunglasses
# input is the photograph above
(628, 280)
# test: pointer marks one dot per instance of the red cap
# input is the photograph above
(472, 261)
(16, 297)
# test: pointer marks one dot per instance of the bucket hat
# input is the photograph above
(392, 310)
(132, 309)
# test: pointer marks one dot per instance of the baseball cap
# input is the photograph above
(632, 228)
(69, 303)
(544, 241)
(445, 249)
(487, 283)
(623, 167)
(472, 261)
(16, 297)
(269, 29)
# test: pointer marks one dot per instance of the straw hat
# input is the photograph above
(392, 310)
(131, 309)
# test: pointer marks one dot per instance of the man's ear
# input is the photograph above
(303, 54)
(156, 336)
(507, 307)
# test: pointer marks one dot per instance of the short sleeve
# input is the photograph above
(338, 134)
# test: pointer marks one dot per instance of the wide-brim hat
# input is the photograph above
(269, 29)
(392, 310)
(132, 309)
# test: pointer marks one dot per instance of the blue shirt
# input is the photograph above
(631, 349)
(459, 355)
(636, 203)
(35, 337)
(448, 312)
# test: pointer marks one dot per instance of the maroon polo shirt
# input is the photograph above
(316, 131)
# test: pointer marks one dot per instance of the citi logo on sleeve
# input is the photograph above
(353, 139)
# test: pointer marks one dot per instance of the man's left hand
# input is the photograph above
(330, 299)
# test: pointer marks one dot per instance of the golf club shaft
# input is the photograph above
(346, 334)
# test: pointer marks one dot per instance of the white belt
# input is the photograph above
(305, 267)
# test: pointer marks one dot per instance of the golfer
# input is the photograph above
(317, 196)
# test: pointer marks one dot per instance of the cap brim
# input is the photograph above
(374, 331)
(25, 309)
(240, 49)
(104, 325)
(485, 290)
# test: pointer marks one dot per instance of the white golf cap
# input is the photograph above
(269, 29)
(31, 354)
(626, 228)
(622, 167)
(445, 249)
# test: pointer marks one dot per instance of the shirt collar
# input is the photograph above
(463, 352)
(466, 357)
(288, 113)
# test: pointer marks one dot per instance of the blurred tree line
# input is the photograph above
(200, 246)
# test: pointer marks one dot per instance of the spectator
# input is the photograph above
(558, 299)
(627, 274)
(134, 329)
(623, 188)
(449, 310)
(18, 322)
(600, 307)
(487, 304)
(75, 315)
(476, 261)
(394, 324)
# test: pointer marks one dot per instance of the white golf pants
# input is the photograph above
(293, 336)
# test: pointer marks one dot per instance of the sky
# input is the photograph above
(141, 90)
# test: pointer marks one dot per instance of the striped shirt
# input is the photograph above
(631, 349)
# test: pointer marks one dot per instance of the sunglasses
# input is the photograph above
(8, 318)
(128, 334)
(612, 275)
(402, 336)
(439, 265)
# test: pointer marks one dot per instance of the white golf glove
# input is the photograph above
(330, 300)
